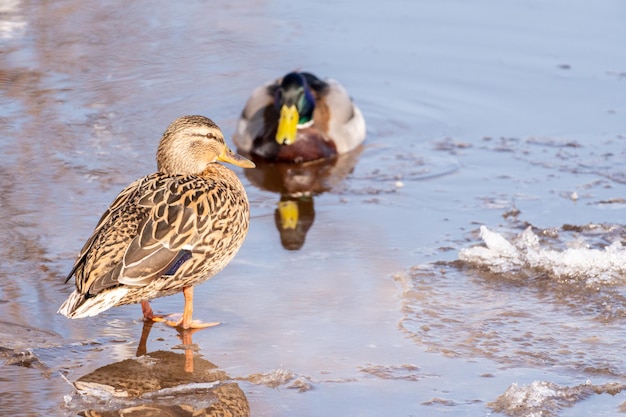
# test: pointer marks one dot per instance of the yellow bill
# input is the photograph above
(287, 125)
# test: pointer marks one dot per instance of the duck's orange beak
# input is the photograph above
(235, 159)
(287, 125)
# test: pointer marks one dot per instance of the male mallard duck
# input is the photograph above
(166, 232)
(299, 118)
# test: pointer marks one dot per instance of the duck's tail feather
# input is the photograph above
(78, 306)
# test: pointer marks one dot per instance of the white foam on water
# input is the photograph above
(526, 252)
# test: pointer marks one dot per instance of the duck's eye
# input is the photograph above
(211, 135)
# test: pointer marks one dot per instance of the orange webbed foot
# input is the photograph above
(192, 324)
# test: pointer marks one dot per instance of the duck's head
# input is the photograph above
(295, 103)
(191, 143)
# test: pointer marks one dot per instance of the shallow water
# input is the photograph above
(507, 115)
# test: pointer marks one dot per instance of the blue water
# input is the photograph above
(474, 110)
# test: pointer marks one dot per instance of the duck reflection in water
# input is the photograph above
(294, 217)
(297, 185)
(164, 383)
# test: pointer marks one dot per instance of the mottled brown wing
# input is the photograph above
(123, 197)
(86, 266)
(179, 217)
(142, 233)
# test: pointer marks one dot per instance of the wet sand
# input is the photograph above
(504, 115)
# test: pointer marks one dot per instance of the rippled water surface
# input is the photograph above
(510, 115)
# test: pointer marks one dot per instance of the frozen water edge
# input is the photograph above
(545, 399)
(525, 251)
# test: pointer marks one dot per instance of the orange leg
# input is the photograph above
(188, 311)
(148, 314)
(186, 322)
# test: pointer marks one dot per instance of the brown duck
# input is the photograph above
(166, 232)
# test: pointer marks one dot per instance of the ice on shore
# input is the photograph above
(546, 399)
(525, 253)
